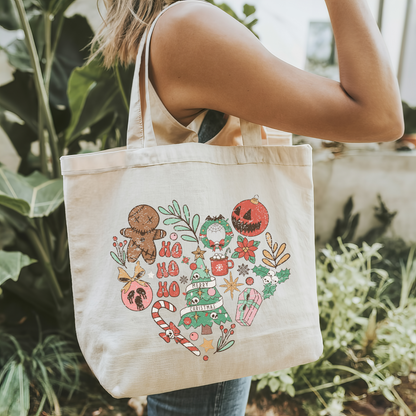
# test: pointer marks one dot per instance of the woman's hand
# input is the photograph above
(203, 58)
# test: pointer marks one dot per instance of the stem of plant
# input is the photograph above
(42, 143)
(120, 85)
(40, 87)
(47, 266)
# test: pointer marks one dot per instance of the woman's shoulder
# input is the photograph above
(197, 24)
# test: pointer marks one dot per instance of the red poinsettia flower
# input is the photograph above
(246, 248)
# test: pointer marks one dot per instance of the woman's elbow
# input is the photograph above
(391, 126)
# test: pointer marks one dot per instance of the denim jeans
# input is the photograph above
(228, 398)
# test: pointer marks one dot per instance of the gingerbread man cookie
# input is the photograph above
(143, 220)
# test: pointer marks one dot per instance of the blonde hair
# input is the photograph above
(118, 37)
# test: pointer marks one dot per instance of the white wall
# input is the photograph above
(283, 25)
(363, 175)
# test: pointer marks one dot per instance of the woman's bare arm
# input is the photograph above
(203, 58)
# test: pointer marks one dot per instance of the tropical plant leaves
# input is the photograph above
(92, 84)
(11, 262)
(32, 196)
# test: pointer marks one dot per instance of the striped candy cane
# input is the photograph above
(174, 332)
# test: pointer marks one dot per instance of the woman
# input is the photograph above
(201, 58)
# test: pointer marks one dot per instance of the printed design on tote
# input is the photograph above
(175, 217)
(216, 233)
(231, 285)
(143, 220)
(246, 248)
(120, 255)
(250, 217)
(204, 303)
(171, 332)
(136, 294)
(200, 268)
(223, 344)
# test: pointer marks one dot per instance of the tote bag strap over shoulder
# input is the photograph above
(140, 133)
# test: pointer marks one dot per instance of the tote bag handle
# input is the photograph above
(140, 133)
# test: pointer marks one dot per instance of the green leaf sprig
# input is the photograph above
(223, 343)
(175, 213)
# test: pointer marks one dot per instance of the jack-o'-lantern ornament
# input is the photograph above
(250, 217)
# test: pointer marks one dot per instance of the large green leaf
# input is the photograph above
(71, 53)
(19, 97)
(9, 18)
(93, 94)
(17, 52)
(11, 262)
(21, 136)
(32, 196)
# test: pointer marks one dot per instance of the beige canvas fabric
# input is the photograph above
(191, 263)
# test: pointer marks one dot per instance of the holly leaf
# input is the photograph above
(283, 275)
(252, 259)
(234, 255)
(269, 290)
(186, 212)
(228, 345)
(260, 271)
(169, 221)
(256, 243)
(189, 238)
(177, 208)
(240, 239)
(163, 211)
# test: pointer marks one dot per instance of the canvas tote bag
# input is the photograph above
(191, 263)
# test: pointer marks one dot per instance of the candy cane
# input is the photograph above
(156, 317)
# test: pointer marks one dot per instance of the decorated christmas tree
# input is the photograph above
(204, 304)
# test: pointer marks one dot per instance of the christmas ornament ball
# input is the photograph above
(250, 217)
(249, 281)
(174, 236)
(194, 336)
(138, 296)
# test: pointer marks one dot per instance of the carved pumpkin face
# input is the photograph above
(250, 217)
